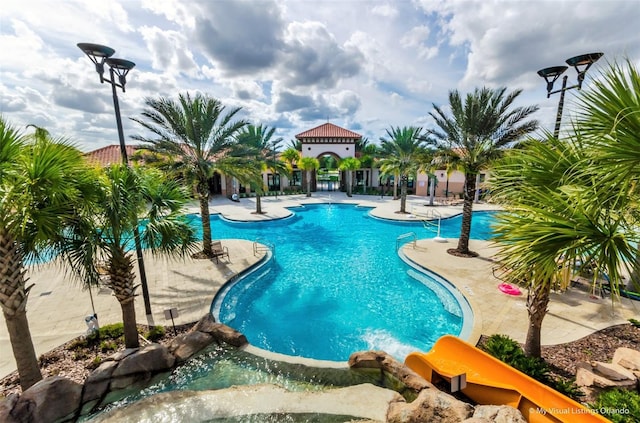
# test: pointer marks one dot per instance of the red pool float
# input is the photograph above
(509, 289)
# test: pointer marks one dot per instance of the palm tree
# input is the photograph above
(427, 163)
(477, 132)
(295, 144)
(609, 116)
(308, 164)
(290, 156)
(349, 164)
(125, 196)
(256, 144)
(555, 217)
(43, 183)
(401, 151)
(198, 134)
(368, 156)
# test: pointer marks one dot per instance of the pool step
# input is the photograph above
(445, 296)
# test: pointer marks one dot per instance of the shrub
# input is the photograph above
(95, 363)
(113, 331)
(78, 343)
(618, 405)
(108, 345)
(568, 388)
(510, 352)
(155, 333)
(503, 348)
(534, 367)
(79, 355)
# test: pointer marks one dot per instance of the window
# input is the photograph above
(296, 178)
(410, 182)
(273, 182)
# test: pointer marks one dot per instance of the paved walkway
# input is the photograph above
(57, 305)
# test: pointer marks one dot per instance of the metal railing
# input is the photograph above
(401, 238)
(431, 220)
(261, 245)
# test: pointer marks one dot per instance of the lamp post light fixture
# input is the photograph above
(581, 63)
(101, 55)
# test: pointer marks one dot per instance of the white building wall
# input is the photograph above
(341, 150)
(456, 182)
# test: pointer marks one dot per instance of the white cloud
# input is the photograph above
(385, 10)
(293, 64)
(246, 89)
(417, 39)
(313, 57)
(169, 51)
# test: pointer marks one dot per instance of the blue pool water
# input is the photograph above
(337, 285)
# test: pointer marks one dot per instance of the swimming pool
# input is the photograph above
(337, 285)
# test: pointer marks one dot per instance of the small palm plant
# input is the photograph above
(197, 135)
(125, 196)
(476, 131)
(255, 144)
(308, 164)
(43, 186)
(348, 165)
(401, 150)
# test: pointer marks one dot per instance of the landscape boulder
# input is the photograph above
(6, 406)
(220, 332)
(98, 383)
(431, 405)
(627, 358)
(152, 359)
(52, 399)
(186, 345)
(497, 414)
(613, 371)
(389, 365)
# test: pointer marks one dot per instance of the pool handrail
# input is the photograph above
(400, 238)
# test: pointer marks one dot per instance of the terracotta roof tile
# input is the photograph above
(328, 130)
(109, 155)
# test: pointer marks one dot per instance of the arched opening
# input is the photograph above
(328, 177)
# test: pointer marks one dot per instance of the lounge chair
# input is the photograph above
(219, 251)
(622, 289)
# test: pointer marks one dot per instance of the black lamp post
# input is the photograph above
(100, 55)
(581, 63)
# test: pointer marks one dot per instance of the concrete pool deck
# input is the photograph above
(57, 305)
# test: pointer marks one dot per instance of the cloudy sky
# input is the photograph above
(293, 65)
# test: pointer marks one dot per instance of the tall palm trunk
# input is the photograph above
(432, 189)
(467, 213)
(446, 188)
(403, 196)
(203, 197)
(537, 302)
(308, 173)
(367, 181)
(121, 280)
(635, 271)
(395, 186)
(349, 184)
(13, 299)
(258, 203)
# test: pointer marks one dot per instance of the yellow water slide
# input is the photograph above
(490, 381)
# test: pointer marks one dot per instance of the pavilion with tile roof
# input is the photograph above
(109, 155)
(328, 139)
